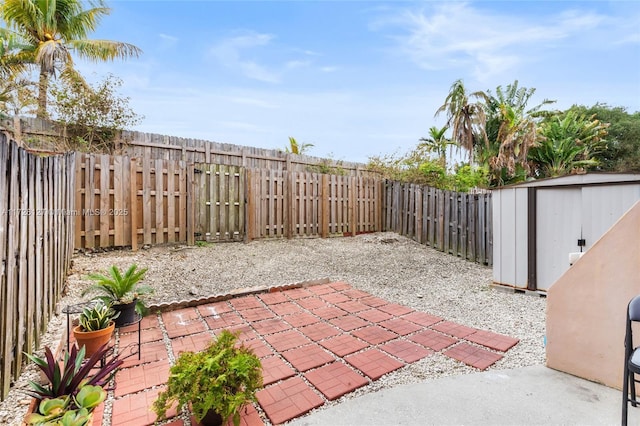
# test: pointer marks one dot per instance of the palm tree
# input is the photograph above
(437, 142)
(512, 129)
(465, 118)
(12, 61)
(52, 29)
(568, 143)
(297, 148)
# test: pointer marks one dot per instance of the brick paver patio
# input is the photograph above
(316, 344)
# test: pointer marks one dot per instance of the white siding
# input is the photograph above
(510, 237)
(605, 204)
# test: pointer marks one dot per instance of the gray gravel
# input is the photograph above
(384, 264)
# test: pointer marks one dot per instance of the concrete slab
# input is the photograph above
(534, 395)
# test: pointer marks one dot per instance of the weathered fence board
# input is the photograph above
(36, 234)
(304, 204)
(219, 202)
(455, 223)
(124, 201)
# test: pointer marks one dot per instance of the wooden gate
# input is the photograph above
(219, 202)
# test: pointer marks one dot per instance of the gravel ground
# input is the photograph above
(383, 264)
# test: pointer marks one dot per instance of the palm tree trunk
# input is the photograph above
(43, 86)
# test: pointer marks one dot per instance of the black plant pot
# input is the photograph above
(211, 419)
(127, 313)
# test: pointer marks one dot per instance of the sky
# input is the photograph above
(358, 79)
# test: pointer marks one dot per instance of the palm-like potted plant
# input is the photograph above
(96, 326)
(217, 382)
(122, 290)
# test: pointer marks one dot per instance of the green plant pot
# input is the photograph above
(127, 313)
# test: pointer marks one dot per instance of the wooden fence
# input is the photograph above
(124, 201)
(43, 134)
(36, 245)
(452, 222)
(299, 204)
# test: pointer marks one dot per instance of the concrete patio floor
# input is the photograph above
(316, 343)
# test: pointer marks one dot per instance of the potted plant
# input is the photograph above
(217, 382)
(122, 290)
(75, 386)
(96, 327)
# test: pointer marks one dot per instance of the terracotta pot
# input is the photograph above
(127, 313)
(93, 340)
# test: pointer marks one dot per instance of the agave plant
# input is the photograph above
(97, 317)
(66, 378)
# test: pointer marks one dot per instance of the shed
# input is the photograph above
(539, 225)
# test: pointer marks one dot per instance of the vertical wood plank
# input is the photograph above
(119, 202)
(133, 209)
(104, 206)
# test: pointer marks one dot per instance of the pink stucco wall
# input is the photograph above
(586, 307)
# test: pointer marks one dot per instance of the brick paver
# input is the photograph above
(343, 345)
(472, 355)
(433, 340)
(493, 340)
(335, 379)
(335, 337)
(307, 357)
(454, 329)
(288, 399)
(374, 363)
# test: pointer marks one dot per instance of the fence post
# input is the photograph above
(191, 214)
(324, 210)
(133, 210)
(250, 207)
(353, 216)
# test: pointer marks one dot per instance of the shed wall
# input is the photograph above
(510, 208)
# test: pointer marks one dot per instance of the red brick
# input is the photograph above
(136, 409)
(422, 318)
(352, 306)
(134, 379)
(248, 417)
(373, 301)
(274, 369)
(179, 316)
(407, 351)
(273, 298)
(245, 332)
(312, 303)
(343, 345)
(307, 357)
(319, 331)
(214, 309)
(287, 340)
(256, 314)
(433, 340)
(259, 348)
(302, 319)
(493, 340)
(328, 312)
(321, 289)
(246, 302)
(395, 309)
(149, 352)
(400, 326)
(374, 363)
(270, 326)
(192, 343)
(288, 308)
(147, 335)
(298, 293)
(356, 294)
(374, 334)
(150, 321)
(340, 286)
(224, 320)
(335, 380)
(473, 356)
(335, 297)
(374, 315)
(349, 322)
(186, 327)
(454, 329)
(287, 400)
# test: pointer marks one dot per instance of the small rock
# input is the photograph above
(146, 247)
(193, 291)
(419, 296)
(25, 401)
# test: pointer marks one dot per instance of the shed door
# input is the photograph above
(559, 226)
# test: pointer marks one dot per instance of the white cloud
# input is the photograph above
(167, 41)
(230, 52)
(457, 35)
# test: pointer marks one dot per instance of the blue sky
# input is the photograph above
(359, 78)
